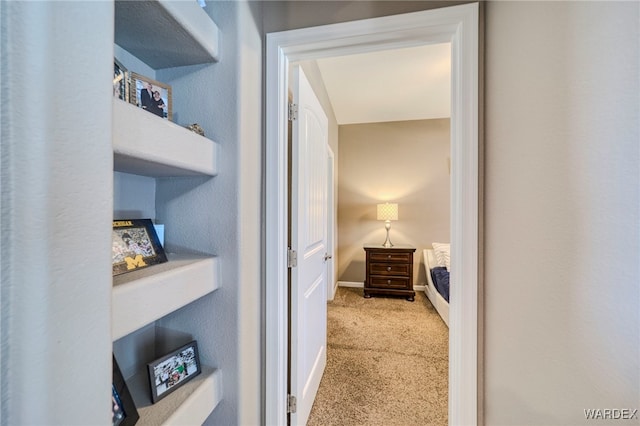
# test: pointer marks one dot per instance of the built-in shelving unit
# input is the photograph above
(163, 34)
(141, 297)
(146, 145)
(188, 405)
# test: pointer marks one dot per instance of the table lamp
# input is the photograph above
(387, 212)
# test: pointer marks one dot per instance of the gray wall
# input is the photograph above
(404, 162)
(561, 210)
(230, 225)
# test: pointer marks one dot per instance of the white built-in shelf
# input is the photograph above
(189, 404)
(145, 144)
(143, 296)
(164, 33)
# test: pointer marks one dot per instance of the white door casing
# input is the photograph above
(458, 25)
(331, 223)
(308, 240)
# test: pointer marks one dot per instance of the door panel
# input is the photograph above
(308, 238)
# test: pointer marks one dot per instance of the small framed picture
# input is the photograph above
(173, 370)
(135, 245)
(124, 412)
(120, 83)
(150, 95)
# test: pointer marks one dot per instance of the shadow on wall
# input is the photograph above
(354, 272)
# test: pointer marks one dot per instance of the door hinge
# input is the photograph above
(292, 404)
(293, 112)
(292, 258)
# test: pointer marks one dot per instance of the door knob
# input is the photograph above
(327, 256)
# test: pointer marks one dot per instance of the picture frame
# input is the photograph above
(160, 105)
(120, 81)
(135, 245)
(168, 373)
(124, 412)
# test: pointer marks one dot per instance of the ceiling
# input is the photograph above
(411, 83)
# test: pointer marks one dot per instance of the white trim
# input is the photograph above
(459, 25)
(332, 285)
(352, 284)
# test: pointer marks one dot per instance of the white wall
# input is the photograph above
(562, 222)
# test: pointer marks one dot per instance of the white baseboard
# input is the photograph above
(350, 284)
(357, 284)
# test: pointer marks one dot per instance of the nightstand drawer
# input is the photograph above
(391, 257)
(391, 282)
(389, 269)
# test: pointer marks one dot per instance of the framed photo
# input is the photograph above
(150, 95)
(123, 408)
(173, 370)
(135, 245)
(120, 83)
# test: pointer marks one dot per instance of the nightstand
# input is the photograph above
(389, 271)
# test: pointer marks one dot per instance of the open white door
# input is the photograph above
(308, 240)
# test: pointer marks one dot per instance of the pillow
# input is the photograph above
(443, 254)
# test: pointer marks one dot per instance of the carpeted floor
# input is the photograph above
(387, 363)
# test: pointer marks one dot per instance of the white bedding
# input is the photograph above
(438, 302)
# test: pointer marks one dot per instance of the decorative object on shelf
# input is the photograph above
(135, 245)
(387, 212)
(150, 95)
(120, 83)
(171, 371)
(195, 127)
(124, 412)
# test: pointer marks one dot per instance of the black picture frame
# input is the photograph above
(124, 412)
(120, 81)
(161, 106)
(168, 373)
(135, 245)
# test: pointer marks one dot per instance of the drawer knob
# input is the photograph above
(388, 281)
(388, 256)
(388, 268)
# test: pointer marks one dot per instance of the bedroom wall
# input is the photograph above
(405, 162)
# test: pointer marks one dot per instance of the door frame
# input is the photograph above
(331, 224)
(458, 25)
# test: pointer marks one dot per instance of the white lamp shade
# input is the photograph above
(388, 211)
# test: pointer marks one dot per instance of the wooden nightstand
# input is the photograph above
(389, 271)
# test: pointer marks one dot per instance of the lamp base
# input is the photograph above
(387, 243)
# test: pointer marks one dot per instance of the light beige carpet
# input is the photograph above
(387, 363)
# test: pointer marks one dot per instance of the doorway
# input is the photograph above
(459, 26)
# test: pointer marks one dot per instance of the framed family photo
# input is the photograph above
(150, 95)
(135, 245)
(124, 412)
(168, 373)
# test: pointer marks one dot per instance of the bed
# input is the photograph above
(437, 288)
